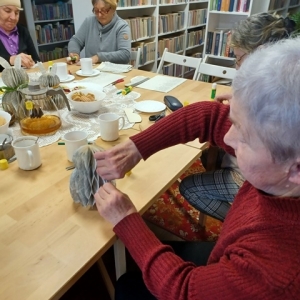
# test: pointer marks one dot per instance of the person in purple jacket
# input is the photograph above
(15, 38)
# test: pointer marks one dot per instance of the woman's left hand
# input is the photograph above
(112, 204)
(95, 59)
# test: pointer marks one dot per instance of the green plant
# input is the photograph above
(296, 18)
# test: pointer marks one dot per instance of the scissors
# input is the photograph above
(155, 118)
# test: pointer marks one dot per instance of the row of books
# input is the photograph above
(197, 17)
(59, 10)
(171, 22)
(126, 3)
(50, 33)
(275, 4)
(218, 43)
(195, 38)
(53, 54)
(174, 44)
(230, 5)
(294, 2)
(141, 27)
(147, 51)
(171, 2)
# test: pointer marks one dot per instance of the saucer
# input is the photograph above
(69, 78)
(94, 73)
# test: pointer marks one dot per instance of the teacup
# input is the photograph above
(110, 125)
(86, 66)
(27, 152)
(61, 70)
(74, 140)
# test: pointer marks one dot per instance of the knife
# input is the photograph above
(132, 116)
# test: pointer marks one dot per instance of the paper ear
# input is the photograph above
(4, 63)
(41, 67)
(53, 69)
(18, 62)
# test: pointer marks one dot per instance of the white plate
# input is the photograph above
(150, 106)
(69, 78)
(95, 73)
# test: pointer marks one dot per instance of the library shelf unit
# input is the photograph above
(173, 24)
(51, 26)
(221, 18)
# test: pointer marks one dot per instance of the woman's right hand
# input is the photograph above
(117, 161)
(72, 55)
(223, 98)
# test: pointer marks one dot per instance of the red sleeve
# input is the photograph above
(208, 121)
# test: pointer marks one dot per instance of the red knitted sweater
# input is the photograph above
(257, 253)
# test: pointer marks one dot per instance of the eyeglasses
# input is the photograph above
(238, 61)
(102, 11)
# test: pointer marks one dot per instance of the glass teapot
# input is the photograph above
(37, 111)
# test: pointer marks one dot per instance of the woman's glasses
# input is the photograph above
(102, 11)
(238, 61)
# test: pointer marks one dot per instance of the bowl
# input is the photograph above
(87, 107)
(7, 117)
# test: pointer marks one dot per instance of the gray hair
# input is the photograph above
(267, 87)
(259, 29)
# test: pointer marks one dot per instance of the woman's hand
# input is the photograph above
(26, 60)
(223, 98)
(112, 204)
(72, 60)
(117, 161)
(95, 59)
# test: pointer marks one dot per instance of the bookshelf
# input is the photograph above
(158, 24)
(284, 7)
(51, 25)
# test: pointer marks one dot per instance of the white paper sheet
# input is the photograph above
(162, 83)
(104, 79)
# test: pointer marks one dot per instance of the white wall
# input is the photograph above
(81, 10)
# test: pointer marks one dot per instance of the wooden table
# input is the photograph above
(46, 241)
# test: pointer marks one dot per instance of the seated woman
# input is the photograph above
(105, 36)
(15, 38)
(257, 253)
(213, 192)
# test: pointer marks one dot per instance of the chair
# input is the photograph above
(178, 59)
(215, 70)
(135, 57)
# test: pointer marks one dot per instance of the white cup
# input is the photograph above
(61, 70)
(74, 140)
(4, 127)
(27, 151)
(110, 125)
(86, 66)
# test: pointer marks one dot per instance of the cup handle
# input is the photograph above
(30, 155)
(123, 123)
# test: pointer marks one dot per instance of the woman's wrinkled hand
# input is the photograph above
(117, 161)
(26, 60)
(112, 204)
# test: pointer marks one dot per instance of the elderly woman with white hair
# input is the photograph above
(257, 253)
(15, 38)
(104, 36)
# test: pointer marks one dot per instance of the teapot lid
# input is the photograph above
(34, 88)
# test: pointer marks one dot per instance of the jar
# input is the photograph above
(6, 149)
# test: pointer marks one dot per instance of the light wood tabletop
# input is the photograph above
(46, 241)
